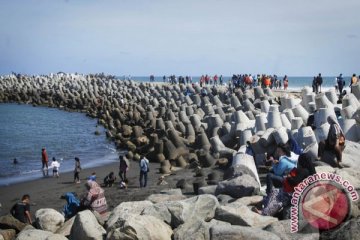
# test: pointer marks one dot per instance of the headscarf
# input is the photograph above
(71, 208)
(95, 198)
(335, 130)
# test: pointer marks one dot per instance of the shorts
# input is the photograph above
(55, 170)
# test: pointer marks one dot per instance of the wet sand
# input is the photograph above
(46, 192)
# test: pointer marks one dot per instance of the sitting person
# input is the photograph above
(109, 180)
(72, 205)
(280, 167)
(279, 198)
(92, 177)
(21, 210)
(335, 141)
(94, 199)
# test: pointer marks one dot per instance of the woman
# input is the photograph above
(279, 198)
(123, 168)
(77, 170)
(72, 206)
(94, 199)
(281, 166)
(335, 141)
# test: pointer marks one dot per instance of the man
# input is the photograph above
(144, 169)
(340, 83)
(353, 81)
(21, 210)
(45, 160)
(319, 81)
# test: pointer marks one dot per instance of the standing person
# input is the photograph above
(144, 169)
(353, 81)
(215, 79)
(21, 210)
(221, 79)
(45, 161)
(55, 166)
(340, 83)
(285, 82)
(314, 87)
(335, 141)
(123, 168)
(319, 82)
(77, 170)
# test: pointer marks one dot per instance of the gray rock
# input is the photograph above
(66, 227)
(145, 227)
(35, 234)
(283, 230)
(242, 216)
(124, 209)
(8, 234)
(208, 190)
(238, 187)
(178, 212)
(49, 219)
(158, 198)
(220, 232)
(224, 199)
(246, 201)
(349, 230)
(9, 222)
(86, 227)
(196, 229)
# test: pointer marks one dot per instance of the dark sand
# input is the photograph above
(46, 192)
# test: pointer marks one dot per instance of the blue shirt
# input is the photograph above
(284, 166)
(144, 165)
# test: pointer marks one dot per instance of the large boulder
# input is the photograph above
(36, 234)
(196, 229)
(238, 187)
(242, 216)
(9, 222)
(283, 230)
(8, 234)
(246, 201)
(65, 229)
(165, 196)
(49, 219)
(349, 230)
(86, 227)
(220, 232)
(123, 210)
(178, 212)
(142, 227)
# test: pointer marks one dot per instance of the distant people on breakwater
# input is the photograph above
(77, 170)
(353, 81)
(45, 161)
(340, 83)
(15, 161)
(55, 165)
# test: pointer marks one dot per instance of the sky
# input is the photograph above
(188, 37)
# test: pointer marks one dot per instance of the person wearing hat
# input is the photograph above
(123, 167)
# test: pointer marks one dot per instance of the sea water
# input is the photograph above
(25, 130)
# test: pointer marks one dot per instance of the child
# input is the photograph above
(92, 177)
(109, 180)
(123, 184)
(55, 165)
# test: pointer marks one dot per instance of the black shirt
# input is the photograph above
(18, 211)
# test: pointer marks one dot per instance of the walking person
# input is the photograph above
(144, 169)
(45, 161)
(21, 210)
(77, 170)
(123, 168)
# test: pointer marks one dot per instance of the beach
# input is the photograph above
(210, 141)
